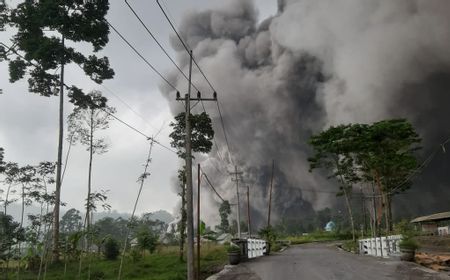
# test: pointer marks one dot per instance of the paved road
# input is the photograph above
(325, 262)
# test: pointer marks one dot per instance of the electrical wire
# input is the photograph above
(142, 57)
(211, 185)
(139, 132)
(158, 43)
(187, 48)
(418, 170)
(114, 116)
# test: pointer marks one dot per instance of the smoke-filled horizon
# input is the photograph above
(312, 65)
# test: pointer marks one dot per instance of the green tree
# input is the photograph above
(11, 233)
(382, 153)
(83, 124)
(333, 151)
(202, 133)
(111, 248)
(71, 221)
(11, 174)
(39, 50)
(387, 158)
(2, 163)
(224, 212)
(146, 240)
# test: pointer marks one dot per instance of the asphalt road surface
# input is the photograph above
(325, 262)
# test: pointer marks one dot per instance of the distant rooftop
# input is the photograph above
(432, 218)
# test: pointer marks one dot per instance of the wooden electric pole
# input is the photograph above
(248, 214)
(198, 221)
(270, 195)
(189, 189)
(236, 174)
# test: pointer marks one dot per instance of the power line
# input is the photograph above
(185, 45)
(139, 132)
(187, 48)
(215, 144)
(128, 106)
(224, 131)
(124, 103)
(211, 185)
(419, 169)
(142, 57)
(158, 43)
(109, 113)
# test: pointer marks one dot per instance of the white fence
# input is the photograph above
(380, 246)
(255, 248)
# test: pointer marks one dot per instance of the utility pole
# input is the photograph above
(248, 214)
(237, 173)
(198, 221)
(189, 189)
(270, 195)
(363, 205)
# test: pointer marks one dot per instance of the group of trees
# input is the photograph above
(145, 232)
(379, 158)
(26, 186)
(39, 50)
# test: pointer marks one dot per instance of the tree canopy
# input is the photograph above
(382, 153)
(202, 133)
(39, 49)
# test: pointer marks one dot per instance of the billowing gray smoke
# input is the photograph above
(315, 64)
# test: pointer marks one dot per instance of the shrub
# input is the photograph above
(233, 249)
(409, 244)
(135, 255)
(147, 240)
(111, 249)
(98, 275)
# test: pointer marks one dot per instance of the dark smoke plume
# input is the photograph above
(315, 64)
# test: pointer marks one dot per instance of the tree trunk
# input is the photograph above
(23, 206)
(21, 226)
(350, 213)
(7, 197)
(389, 211)
(386, 213)
(89, 210)
(91, 152)
(55, 241)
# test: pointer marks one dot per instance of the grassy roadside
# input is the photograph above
(162, 265)
(318, 237)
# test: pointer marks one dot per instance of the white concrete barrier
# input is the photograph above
(384, 246)
(255, 248)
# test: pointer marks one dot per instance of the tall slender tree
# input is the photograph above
(42, 29)
(83, 125)
(333, 152)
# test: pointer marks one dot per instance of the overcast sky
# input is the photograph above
(28, 122)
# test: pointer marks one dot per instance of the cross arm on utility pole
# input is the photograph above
(198, 98)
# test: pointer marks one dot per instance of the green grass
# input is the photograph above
(351, 246)
(318, 237)
(162, 265)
